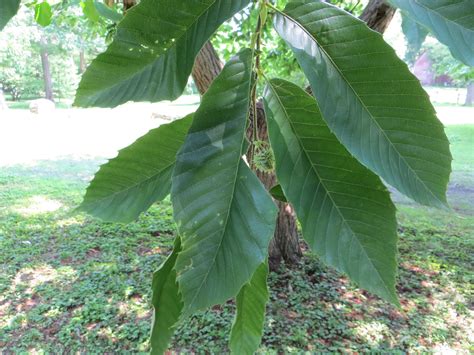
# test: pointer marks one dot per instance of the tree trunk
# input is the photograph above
(206, 68)
(470, 94)
(48, 82)
(82, 61)
(378, 14)
(127, 4)
(3, 102)
(285, 244)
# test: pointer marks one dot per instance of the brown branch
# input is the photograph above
(128, 4)
(206, 67)
(378, 14)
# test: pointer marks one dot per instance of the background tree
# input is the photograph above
(45, 61)
(444, 64)
(21, 73)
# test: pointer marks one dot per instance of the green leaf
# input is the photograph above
(43, 14)
(140, 175)
(345, 211)
(153, 52)
(451, 21)
(107, 12)
(278, 194)
(415, 35)
(89, 10)
(369, 99)
(8, 9)
(247, 330)
(166, 302)
(224, 215)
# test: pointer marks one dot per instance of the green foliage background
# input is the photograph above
(21, 73)
(279, 61)
(445, 64)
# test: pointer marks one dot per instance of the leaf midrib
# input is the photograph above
(363, 105)
(326, 189)
(224, 228)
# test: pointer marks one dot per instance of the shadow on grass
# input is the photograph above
(79, 283)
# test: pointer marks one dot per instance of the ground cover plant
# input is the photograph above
(73, 283)
(366, 122)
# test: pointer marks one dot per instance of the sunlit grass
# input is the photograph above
(38, 205)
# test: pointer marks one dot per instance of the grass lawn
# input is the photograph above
(25, 105)
(70, 283)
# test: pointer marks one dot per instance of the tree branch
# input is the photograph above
(378, 14)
